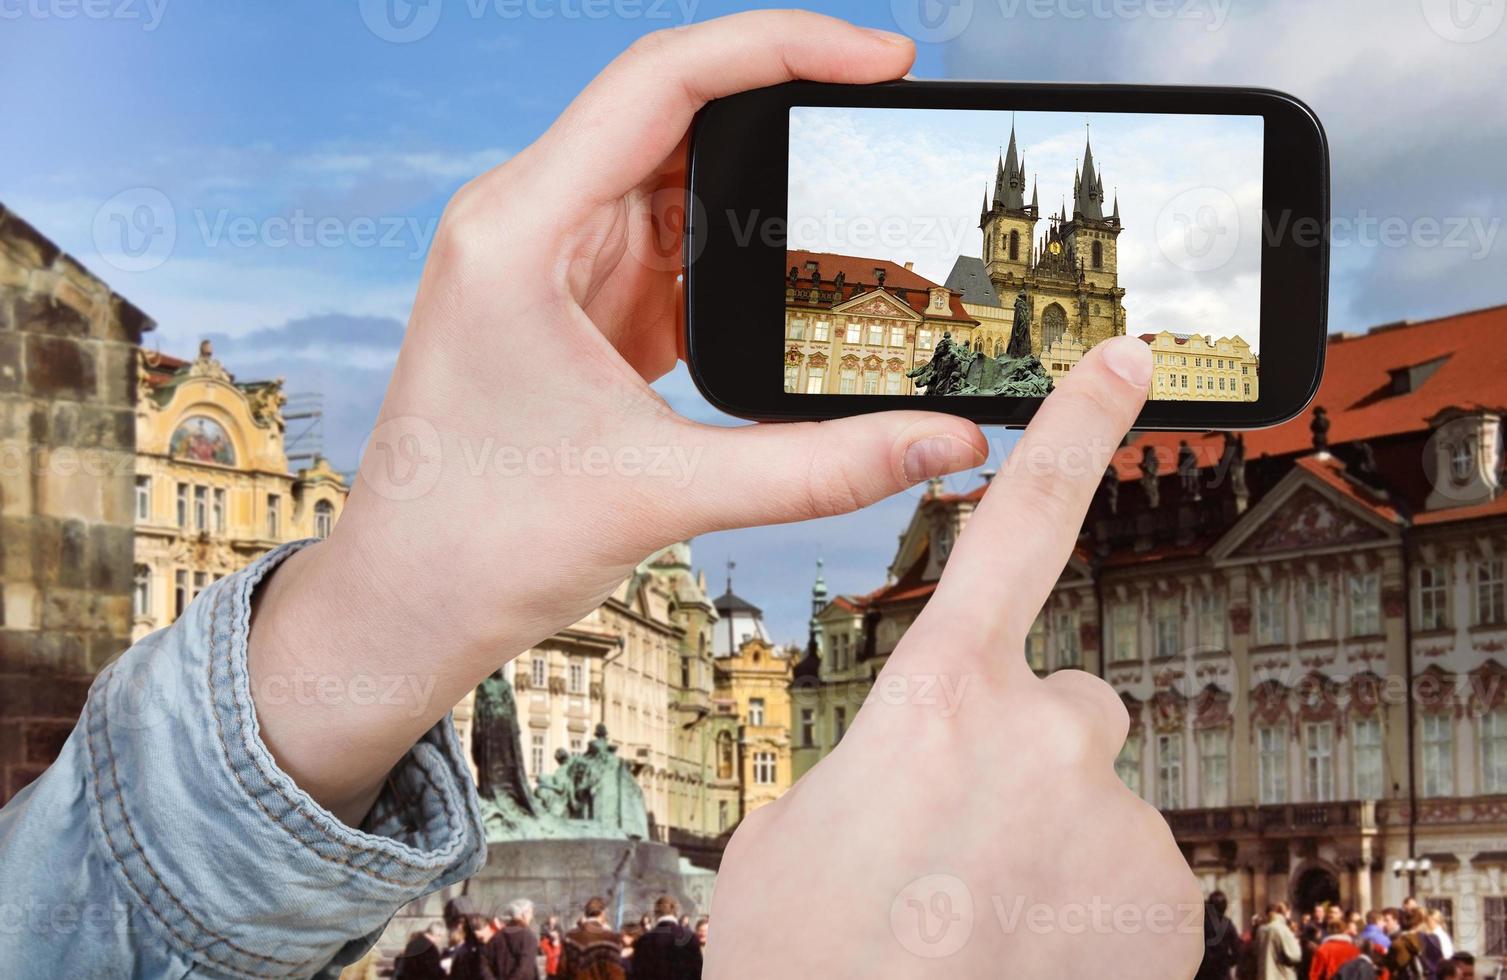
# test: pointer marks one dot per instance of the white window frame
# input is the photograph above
(1271, 764)
(1437, 746)
(1214, 767)
(1169, 771)
(1318, 761)
(1368, 759)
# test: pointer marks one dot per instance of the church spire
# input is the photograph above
(1089, 197)
(1116, 216)
(1013, 178)
(1035, 199)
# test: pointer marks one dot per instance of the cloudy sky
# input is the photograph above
(244, 118)
(906, 184)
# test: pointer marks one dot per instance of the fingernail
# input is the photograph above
(888, 37)
(937, 456)
(1130, 358)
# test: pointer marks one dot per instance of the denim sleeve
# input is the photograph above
(166, 842)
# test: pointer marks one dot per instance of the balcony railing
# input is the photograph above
(1275, 820)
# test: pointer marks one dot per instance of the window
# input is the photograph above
(854, 333)
(536, 753)
(1214, 767)
(892, 382)
(849, 382)
(182, 505)
(792, 377)
(1271, 615)
(839, 724)
(797, 329)
(1496, 925)
(143, 498)
(1128, 764)
(1169, 771)
(808, 727)
(577, 675)
(324, 519)
(1318, 773)
(141, 591)
(1211, 620)
(897, 336)
(1185, 381)
(764, 770)
(721, 815)
(201, 508)
(821, 331)
(1494, 751)
(1098, 254)
(725, 755)
(217, 510)
(1433, 598)
(180, 592)
(1365, 604)
(1169, 627)
(1367, 750)
(1489, 592)
(1123, 629)
(1069, 640)
(201, 582)
(756, 711)
(815, 380)
(1318, 610)
(1461, 457)
(1247, 390)
(1271, 765)
(539, 671)
(1014, 246)
(1438, 756)
(1036, 644)
(923, 338)
(876, 334)
(274, 516)
(871, 382)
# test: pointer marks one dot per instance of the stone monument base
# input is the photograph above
(558, 876)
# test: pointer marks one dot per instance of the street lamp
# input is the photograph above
(1412, 867)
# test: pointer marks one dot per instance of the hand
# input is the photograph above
(971, 822)
(522, 465)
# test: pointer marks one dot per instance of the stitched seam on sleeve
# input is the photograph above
(125, 819)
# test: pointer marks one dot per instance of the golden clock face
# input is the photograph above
(1055, 248)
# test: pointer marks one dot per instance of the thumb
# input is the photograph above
(773, 473)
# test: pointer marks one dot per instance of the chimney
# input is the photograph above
(910, 267)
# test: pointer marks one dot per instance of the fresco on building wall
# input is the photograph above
(202, 440)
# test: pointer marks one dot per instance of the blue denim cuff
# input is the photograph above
(239, 870)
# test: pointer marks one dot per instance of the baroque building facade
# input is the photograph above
(1307, 626)
(753, 687)
(641, 664)
(212, 487)
(1191, 367)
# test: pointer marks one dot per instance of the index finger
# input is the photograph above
(636, 112)
(1017, 541)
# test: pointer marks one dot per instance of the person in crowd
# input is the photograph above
(468, 952)
(592, 951)
(668, 951)
(631, 933)
(1414, 953)
(1221, 940)
(1448, 970)
(549, 945)
(513, 951)
(1465, 963)
(421, 956)
(1365, 965)
(1375, 930)
(1249, 965)
(1336, 949)
(1279, 952)
(703, 926)
(1439, 929)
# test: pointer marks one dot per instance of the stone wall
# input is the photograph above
(67, 464)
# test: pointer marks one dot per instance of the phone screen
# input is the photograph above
(977, 253)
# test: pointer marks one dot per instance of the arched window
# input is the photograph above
(1053, 325)
(324, 519)
(1014, 246)
(978, 346)
(141, 592)
(1098, 253)
(999, 348)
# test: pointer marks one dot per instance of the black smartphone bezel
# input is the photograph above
(738, 182)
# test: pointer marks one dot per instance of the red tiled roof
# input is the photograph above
(1356, 389)
(1332, 472)
(859, 278)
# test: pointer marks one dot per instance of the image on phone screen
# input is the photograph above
(971, 252)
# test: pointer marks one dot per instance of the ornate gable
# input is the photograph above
(877, 303)
(1302, 515)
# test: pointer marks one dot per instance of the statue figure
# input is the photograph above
(1020, 333)
(941, 374)
(496, 747)
(1187, 469)
(1320, 429)
(1111, 487)
(556, 791)
(1150, 466)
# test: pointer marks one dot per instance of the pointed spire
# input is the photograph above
(1011, 181)
(1089, 198)
(1116, 216)
(1035, 199)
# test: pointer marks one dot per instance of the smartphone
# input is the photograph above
(959, 246)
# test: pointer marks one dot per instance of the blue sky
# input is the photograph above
(300, 160)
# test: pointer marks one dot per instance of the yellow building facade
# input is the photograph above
(1195, 367)
(213, 488)
(753, 679)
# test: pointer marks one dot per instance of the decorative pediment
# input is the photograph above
(1168, 709)
(1318, 698)
(1211, 708)
(793, 356)
(818, 360)
(1302, 514)
(877, 303)
(895, 364)
(1367, 691)
(1434, 690)
(1488, 687)
(1269, 701)
(872, 363)
(849, 361)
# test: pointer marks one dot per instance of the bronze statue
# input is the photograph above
(496, 747)
(1020, 333)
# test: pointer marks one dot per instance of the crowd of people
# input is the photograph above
(1330, 943)
(470, 944)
